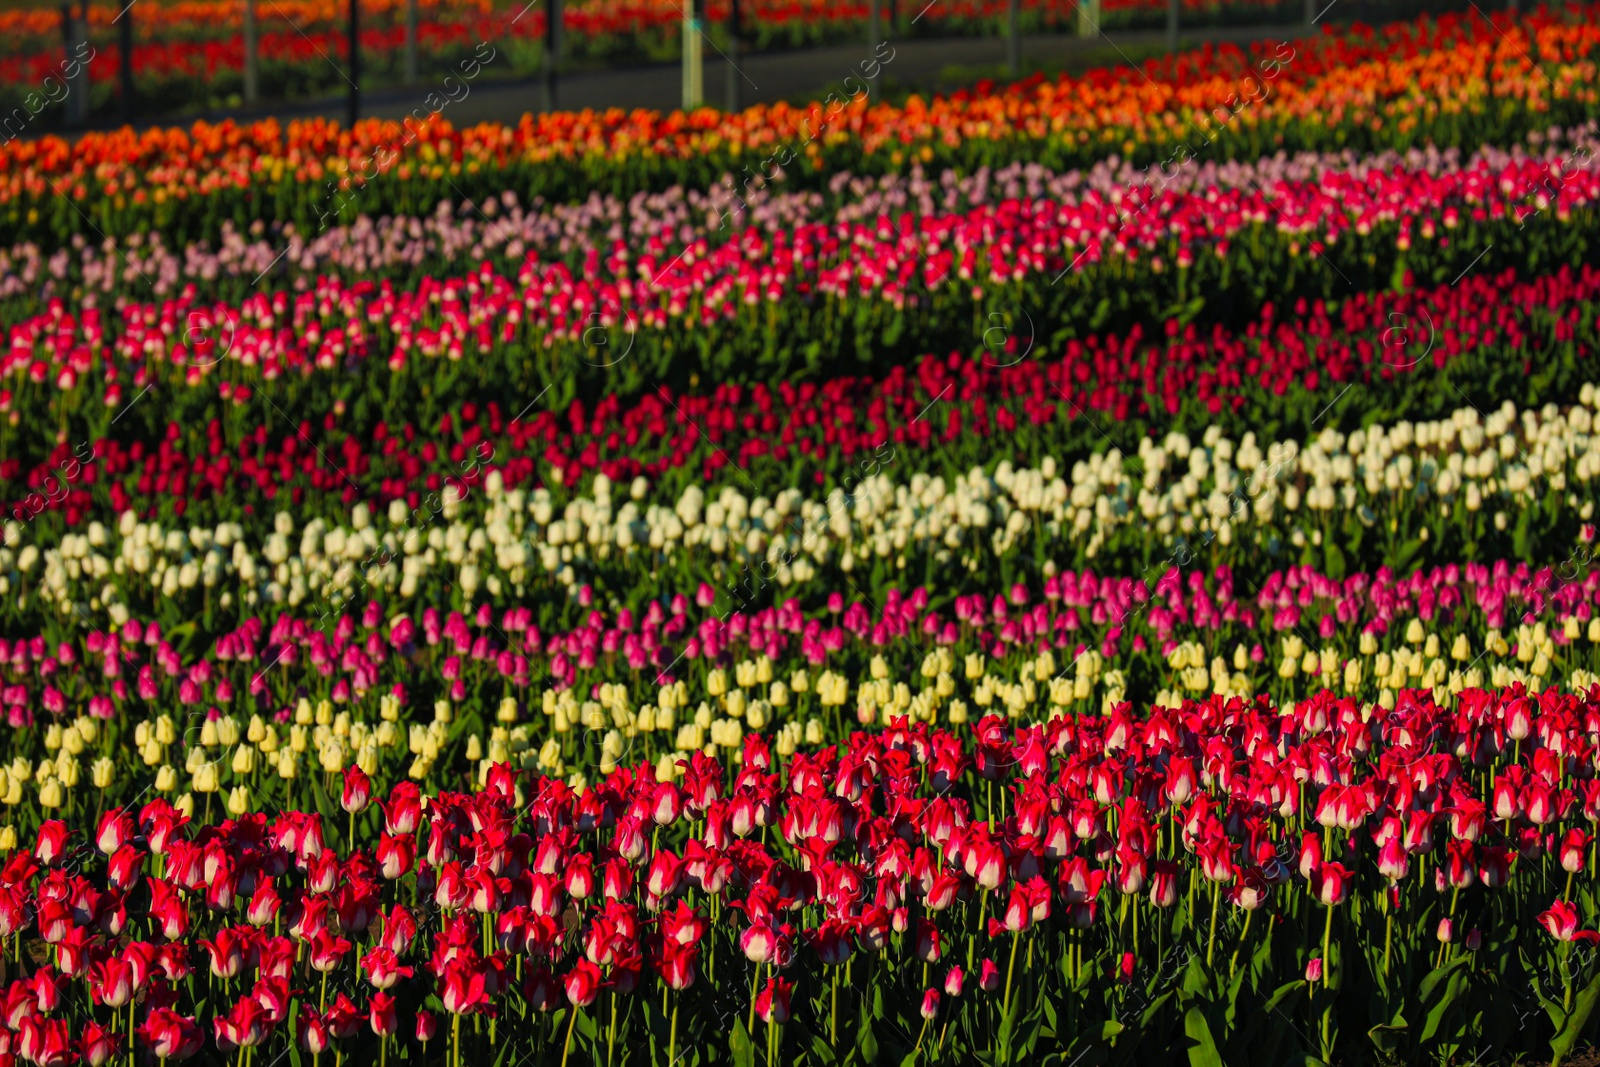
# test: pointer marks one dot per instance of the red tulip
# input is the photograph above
(171, 1036)
(46, 1042)
(382, 1015)
(357, 790)
(677, 963)
(111, 981)
(98, 1045)
(51, 844)
(1560, 921)
(582, 984)
(953, 981)
(1331, 883)
(773, 1003)
(383, 968)
(1573, 850)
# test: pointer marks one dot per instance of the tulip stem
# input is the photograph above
(611, 1031)
(566, 1046)
(1327, 940)
(672, 1036)
(1005, 1003)
(833, 1017)
(755, 983)
(455, 1036)
(983, 907)
(1211, 939)
(1388, 930)
(1233, 964)
(1567, 896)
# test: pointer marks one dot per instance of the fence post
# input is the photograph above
(693, 68)
(1311, 13)
(125, 50)
(252, 69)
(73, 33)
(874, 37)
(1013, 39)
(733, 56)
(552, 51)
(1088, 18)
(411, 42)
(354, 43)
(1172, 25)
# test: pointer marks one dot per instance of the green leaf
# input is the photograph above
(1577, 1019)
(294, 1046)
(1203, 1050)
(821, 1051)
(868, 1045)
(913, 1058)
(1196, 979)
(1438, 993)
(1333, 559)
(1408, 552)
(742, 1049)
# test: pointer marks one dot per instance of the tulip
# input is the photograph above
(582, 984)
(99, 1045)
(1560, 921)
(773, 1002)
(953, 981)
(1573, 850)
(382, 1015)
(171, 1036)
(1331, 884)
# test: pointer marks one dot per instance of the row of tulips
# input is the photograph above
(869, 292)
(502, 230)
(186, 456)
(1456, 80)
(197, 46)
(1506, 482)
(265, 707)
(1226, 878)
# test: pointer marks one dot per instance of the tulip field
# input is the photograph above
(1088, 571)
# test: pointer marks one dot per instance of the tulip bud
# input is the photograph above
(1474, 939)
(954, 981)
(427, 1026)
(930, 1004)
(989, 977)
(1447, 929)
(1314, 970)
